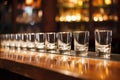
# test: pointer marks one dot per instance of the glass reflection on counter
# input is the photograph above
(30, 57)
(103, 69)
(85, 67)
(16, 54)
(21, 55)
(39, 58)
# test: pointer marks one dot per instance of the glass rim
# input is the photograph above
(30, 33)
(64, 32)
(80, 31)
(40, 33)
(101, 30)
(50, 33)
(24, 34)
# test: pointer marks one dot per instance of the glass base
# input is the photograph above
(103, 55)
(51, 50)
(65, 52)
(81, 53)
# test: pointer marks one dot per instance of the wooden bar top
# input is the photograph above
(44, 66)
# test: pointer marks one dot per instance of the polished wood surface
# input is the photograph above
(46, 66)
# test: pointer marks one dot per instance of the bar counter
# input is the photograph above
(44, 66)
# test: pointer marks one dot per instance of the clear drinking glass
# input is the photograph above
(40, 42)
(64, 42)
(31, 41)
(103, 39)
(12, 41)
(23, 41)
(3, 41)
(7, 40)
(81, 42)
(51, 42)
(17, 40)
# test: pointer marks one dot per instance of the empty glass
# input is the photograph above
(64, 42)
(6, 40)
(40, 42)
(12, 41)
(23, 41)
(51, 42)
(31, 41)
(103, 39)
(17, 40)
(81, 42)
(1, 40)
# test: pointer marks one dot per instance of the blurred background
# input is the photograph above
(27, 16)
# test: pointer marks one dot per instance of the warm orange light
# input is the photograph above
(37, 4)
(80, 2)
(28, 2)
(108, 2)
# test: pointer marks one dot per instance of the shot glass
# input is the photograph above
(17, 40)
(51, 42)
(23, 41)
(31, 41)
(7, 36)
(81, 42)
(2, 40)
(64, 42)
(40, 42)
(103, 39)
(12, 41)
